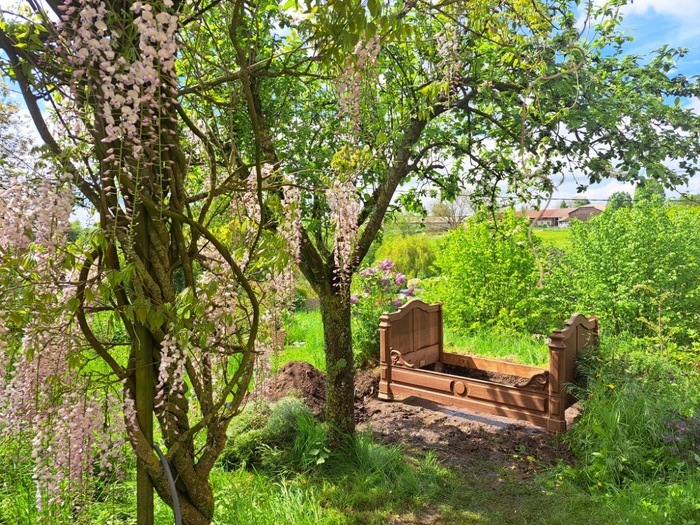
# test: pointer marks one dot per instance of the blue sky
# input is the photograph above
(653, 23)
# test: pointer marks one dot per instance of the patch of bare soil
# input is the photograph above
(460, 438)
(487, 375)
(298, 378)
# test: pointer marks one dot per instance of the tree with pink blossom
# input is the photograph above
(176, 259)
(202, 133)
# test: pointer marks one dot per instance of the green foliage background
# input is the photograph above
(491, 276)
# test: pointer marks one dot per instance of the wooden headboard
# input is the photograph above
(579, 335)
(413, 335)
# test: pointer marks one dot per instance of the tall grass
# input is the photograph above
(363, 481)
(638, 438)
(519, 348)
(252, 498)
(304, 341)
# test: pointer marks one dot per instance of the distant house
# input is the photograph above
(584, 213)
(561, 217)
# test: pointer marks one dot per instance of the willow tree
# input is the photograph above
(345, 102)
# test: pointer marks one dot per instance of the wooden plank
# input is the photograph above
(476, 405)
(422, 357)
(508, 395)
(491, 365)
(475, 388)
(401, 335)
(425, 328)
(422, 378)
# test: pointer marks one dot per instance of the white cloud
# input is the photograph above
(595, 192)
(677, 8)
(694, 104)
(603, 191)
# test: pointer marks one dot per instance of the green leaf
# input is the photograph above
(374, 8)
(141, 313)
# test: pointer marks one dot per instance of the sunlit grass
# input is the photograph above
(519, 348)
(304, 341)
(557, 237)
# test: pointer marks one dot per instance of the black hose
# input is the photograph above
(171, 483)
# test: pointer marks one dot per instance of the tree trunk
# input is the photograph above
(145, 396)
(143, 349)
(340, 370)
(191, 514)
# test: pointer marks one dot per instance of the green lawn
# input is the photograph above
(304, 341)
(556, 237)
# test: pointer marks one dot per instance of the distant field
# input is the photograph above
(557, 237)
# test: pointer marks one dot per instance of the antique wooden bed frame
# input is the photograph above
(412, 362)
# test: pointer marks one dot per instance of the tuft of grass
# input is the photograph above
(637, 440)
(367, 481)
(252, 498)
(519, 348)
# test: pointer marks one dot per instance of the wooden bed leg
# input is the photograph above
(556, 421)
(385, 392)
(557, 379)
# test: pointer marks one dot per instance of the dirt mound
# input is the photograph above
(301, 379)
(366, 384)
(366, 388)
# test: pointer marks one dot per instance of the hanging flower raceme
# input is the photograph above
(290, 224)
(345, 208)
(44, 396)
(130, 92)
(358, 72)
(448, 52)
(34, 213)
(171, 373)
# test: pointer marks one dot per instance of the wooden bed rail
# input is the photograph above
(412, 362)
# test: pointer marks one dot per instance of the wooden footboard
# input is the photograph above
(413, 364)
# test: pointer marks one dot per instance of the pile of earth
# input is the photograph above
(303, 380)
(459, 437)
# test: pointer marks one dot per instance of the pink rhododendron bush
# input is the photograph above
(379, 288)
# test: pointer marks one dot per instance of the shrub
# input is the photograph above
(377, 290)
(282, 437)
(413, 255)
(490, 277)
(639, 270)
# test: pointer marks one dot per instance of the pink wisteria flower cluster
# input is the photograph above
(290, 226)
(448, 52)
(171, 372)
(36, 214)
(345, 207)
(42, 395)
(359, 71)
(132, 90)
